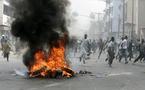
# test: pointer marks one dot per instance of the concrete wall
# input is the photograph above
(141, 14)
(1, 12)
(4, 19)
(129, 22)
(141, 17)
(117, 18)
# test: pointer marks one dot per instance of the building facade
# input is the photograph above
(114, 18)
(6, 13)
(108, 17)
(135, 22)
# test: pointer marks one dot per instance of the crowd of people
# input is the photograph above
(128, 49)
(125, 49)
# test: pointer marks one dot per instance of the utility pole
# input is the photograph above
(123, 32)
(119, 26)
(106, 28)
(132, 28)
(110, 20)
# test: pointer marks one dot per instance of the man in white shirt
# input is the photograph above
(124, 46)
(111, 51)
(84, 49)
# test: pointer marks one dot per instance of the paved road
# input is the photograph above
(119, 77)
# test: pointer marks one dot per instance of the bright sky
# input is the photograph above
(84, 7)
(87, 6)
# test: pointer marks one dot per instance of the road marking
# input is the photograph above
(52, 85)
(118, 74)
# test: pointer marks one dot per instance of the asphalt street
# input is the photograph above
(120, 77)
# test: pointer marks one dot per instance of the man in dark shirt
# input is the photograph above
(141, 51)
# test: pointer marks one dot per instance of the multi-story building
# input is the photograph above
(108, 17)
(134, 22)
(6, 13)
(114, 18)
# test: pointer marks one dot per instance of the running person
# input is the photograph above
(111, 51)
(84, 49)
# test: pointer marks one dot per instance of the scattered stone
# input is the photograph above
(85, 72)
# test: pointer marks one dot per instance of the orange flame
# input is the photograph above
(44, 66)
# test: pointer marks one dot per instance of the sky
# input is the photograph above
(84, 8)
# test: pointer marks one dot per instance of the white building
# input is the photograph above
(6, 13)
(117, 18)
(114, 18)
(108, 17)
(135, 22)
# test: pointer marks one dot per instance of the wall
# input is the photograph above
(1, 12)
(141, 16)
(117, 18)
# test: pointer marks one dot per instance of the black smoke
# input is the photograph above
(38, 22)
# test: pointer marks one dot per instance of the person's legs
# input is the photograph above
(137, 58)
(106, 59)
(81, 57)
(111, 57)
(84, 58)
(120, 55)
(120, 58)
(7, 56)
(125, 55)
(130, 55)
(84, 62)
(117, 56)
(143, 57)
(110, 61)
(100, 52)
(126, 62)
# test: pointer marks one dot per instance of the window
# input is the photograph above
(8, 11)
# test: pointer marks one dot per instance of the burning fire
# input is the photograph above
(49, 65)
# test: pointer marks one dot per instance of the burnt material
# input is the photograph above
(50, 74)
